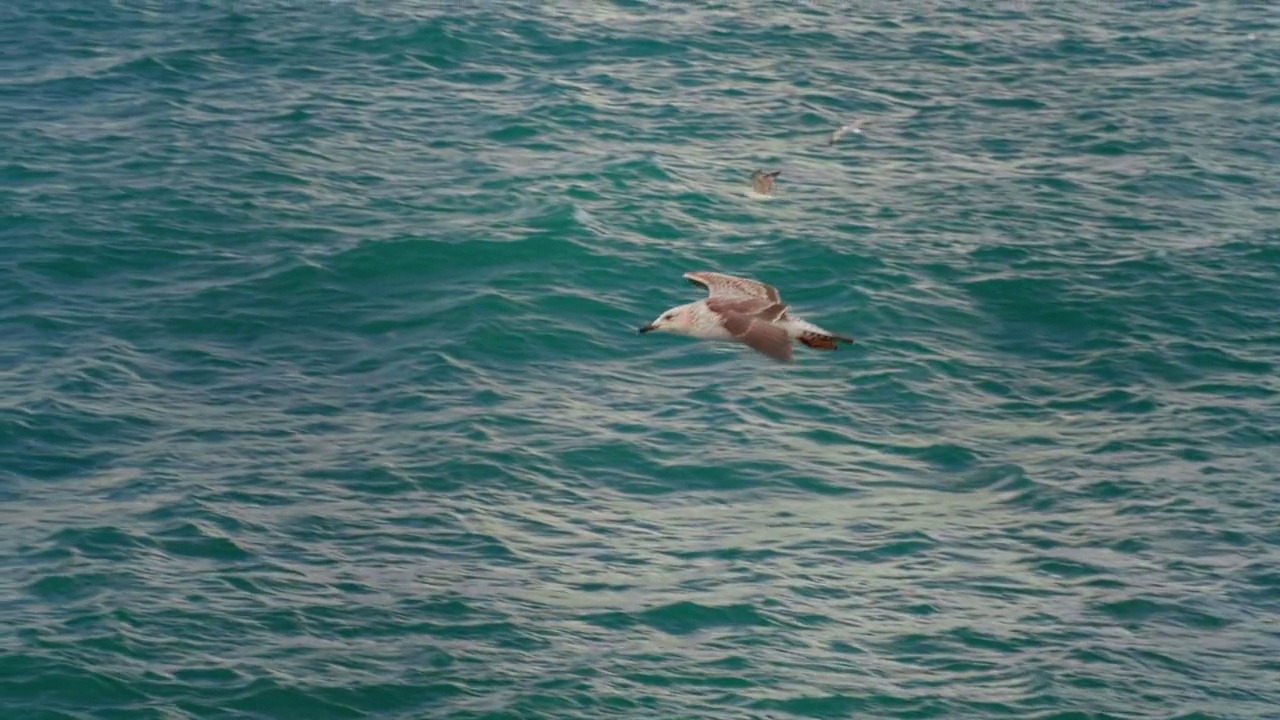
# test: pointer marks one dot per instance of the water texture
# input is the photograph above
(321, 396)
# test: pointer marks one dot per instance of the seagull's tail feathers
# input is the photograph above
(823, 340)
(815, 337)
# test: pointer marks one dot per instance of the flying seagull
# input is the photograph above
(854, 127)
(741, 310)
(762, 182)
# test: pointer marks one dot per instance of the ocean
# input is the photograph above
(322, 396)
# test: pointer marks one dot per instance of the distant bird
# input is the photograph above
(741, 310)
(853, 127)
(762, 182)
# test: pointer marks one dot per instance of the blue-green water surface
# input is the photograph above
(321, 394)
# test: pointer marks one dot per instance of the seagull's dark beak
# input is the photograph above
(646, 328)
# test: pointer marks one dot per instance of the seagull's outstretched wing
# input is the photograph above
(759, 334)
(750, 319)
(721, 285)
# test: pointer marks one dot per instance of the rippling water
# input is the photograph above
(322, 397)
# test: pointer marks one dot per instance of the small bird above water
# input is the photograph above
(741, 310)
(762, 182)
(853, 127)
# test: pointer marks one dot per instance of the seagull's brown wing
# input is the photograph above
(719, 284)
(755, 307)
(751, 320)
(759, 334)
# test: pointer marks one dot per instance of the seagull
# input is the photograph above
(762, 182)
(854, 127)
(741, 310)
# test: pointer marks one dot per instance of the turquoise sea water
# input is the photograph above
(321, 394)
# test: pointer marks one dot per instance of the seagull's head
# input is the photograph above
(676, 320)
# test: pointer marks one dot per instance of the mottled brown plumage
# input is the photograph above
(719, 284)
